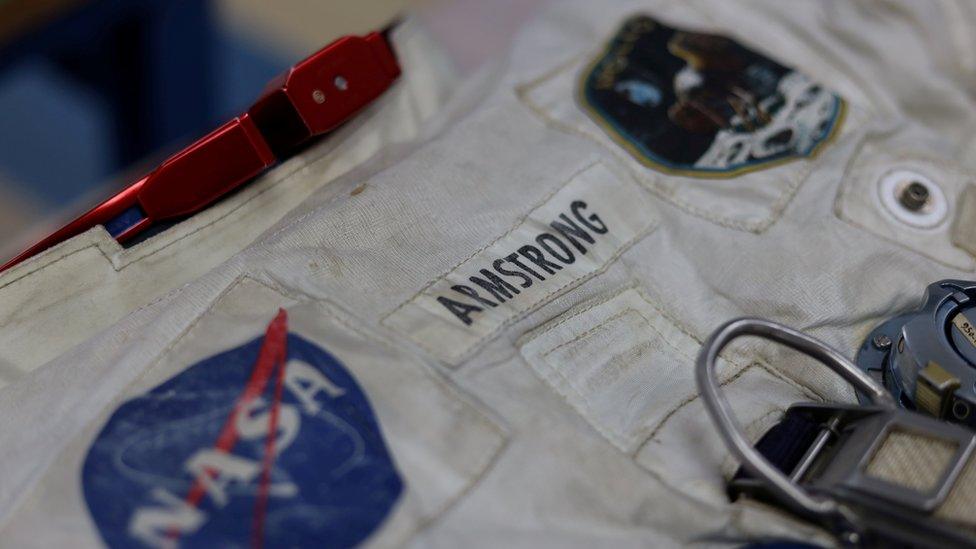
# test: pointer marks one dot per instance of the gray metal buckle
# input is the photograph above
(830, 484)
(847, 468)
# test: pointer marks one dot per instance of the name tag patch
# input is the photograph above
(574, 234)
(272, 443)
(703, 105)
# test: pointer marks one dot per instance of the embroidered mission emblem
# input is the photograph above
(272, 443)
(702, 105)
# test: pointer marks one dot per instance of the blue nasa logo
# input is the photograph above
(269, 443)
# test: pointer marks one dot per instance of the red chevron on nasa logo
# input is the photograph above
(272, 443)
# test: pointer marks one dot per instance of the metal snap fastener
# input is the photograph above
(881, 342)
(913, 198)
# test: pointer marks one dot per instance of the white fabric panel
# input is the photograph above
(441, 441)
(752, 205)
(571, 420)
(573, 234)
(87, 284)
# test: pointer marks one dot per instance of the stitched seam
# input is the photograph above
(492, 451)
(620, 439)
(593, 329)
(438, 380)
(652, 474)
(793, 383)
(183, 333)
(152, 364)
(668, 316)
(652, 223)
(776, 208)
(59, 258)
(587, 413)
(847, 182)
(306, 215)
(515, 226)
(546, 298)
(622, 142)
(523, 91)
(126, 261)
(278, 179)
(338, 196)
(807, 390)
(329, 308)
(549, 328)
(737, 371)
(314, 211)
(673, 322)
(644, 297)
(171, 292)
(612, 318)
(688, 401)
(860, 173)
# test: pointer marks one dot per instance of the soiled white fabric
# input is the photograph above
(569, 416)
(85, 285)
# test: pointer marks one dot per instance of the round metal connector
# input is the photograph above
(932, 368)
(881, 342)
(914, 196)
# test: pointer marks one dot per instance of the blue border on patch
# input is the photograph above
(332, 482)
(835, 118)
(646, 47)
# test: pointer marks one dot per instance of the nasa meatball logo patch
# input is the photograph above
(702, 105)
(271, 443)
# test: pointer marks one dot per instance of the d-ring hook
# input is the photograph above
(721, 412)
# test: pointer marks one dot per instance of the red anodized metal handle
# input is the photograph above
(311, 98)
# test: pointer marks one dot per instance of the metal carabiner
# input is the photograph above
(822, 508)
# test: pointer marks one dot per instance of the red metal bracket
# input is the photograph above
(312, 98)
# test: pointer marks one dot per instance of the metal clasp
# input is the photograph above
(832, 483)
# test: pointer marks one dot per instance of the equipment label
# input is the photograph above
(573, 235)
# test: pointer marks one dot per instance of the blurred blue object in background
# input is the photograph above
(55, 142)
(105, 84)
